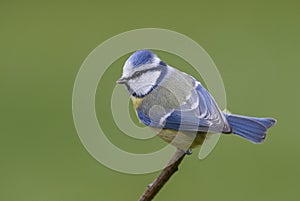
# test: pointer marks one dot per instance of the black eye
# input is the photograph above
(137, 74)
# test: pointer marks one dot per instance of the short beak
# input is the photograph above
(122, 80)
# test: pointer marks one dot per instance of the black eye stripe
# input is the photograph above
(139, 73)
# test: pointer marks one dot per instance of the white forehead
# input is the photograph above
(129, 68)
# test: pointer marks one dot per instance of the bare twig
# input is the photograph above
(164, 176)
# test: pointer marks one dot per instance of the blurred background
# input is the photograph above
(255, 45)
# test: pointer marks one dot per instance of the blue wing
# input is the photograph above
(198, 113)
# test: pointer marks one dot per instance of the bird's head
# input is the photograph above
(142, 71)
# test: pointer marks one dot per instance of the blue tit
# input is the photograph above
(178, 107)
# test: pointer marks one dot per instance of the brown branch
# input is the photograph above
(164, 176)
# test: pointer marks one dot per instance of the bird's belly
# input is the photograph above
(182, 140)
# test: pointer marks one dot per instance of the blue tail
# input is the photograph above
(251, 128)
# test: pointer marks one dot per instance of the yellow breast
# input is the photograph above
(136, 102)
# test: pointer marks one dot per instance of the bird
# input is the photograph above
(178, 107)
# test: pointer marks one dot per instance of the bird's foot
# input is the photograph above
(189, 152)
(150, 185)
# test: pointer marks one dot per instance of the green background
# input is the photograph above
(255, 45)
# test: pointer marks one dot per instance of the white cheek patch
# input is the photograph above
(144, 83)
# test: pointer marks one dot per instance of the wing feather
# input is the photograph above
(199, 112)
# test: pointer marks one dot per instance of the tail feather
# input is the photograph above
(267, 122)
(250, 128)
